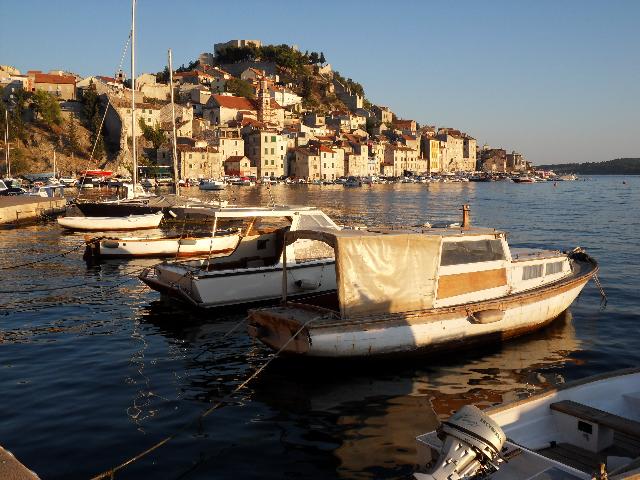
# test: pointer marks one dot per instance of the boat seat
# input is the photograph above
(600, 417)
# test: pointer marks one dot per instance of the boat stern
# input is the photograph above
(276, 328)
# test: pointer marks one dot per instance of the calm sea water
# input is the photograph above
(94, 368)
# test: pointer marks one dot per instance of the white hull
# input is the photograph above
(233, 287)
(415, 334)
(167, 247)
(132, 222)
(212, 186)
(537, 427)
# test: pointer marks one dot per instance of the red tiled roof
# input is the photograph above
(105, 79)
(236, 103)
(234, 158)
(57, 79)
(192, 73)
(324, 148)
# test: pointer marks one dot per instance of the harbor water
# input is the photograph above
(95, 368)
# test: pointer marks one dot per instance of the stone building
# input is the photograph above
(59, 85)
(267, 151)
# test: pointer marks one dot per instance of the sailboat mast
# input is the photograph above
(133, 95)
(176, 177)
(54, 163)
(6, 143)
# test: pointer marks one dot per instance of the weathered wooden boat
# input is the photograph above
(253, 271)
(222, 243)
(101, 224)
(582, 430)
(424, 289)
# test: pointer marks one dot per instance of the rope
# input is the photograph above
(52, 256)
(95, 143)
(112, 471)
(603, 295)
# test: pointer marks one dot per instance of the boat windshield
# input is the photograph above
(456, 253)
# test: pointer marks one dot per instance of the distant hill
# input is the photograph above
(619, 166)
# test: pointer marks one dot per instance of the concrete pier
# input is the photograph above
(12, 469)
(23, 209)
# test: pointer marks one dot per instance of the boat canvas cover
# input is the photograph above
(390, 272)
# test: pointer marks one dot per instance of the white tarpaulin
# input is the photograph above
(386, 273)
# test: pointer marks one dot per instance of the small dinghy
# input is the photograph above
(588, 429)
(131, 222)
(224, 242)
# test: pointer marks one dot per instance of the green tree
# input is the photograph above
(239, 87)
(19, 162)
(72, 136)
(163, 76)
(322, 60)
(154, 134)
(313, 58)
(47, 108)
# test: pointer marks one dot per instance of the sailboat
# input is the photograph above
(120, 220)
(137, 201)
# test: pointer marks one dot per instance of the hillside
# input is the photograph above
(39, 125)
(307, 73)
(618, 166)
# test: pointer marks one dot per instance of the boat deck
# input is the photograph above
(588, 461)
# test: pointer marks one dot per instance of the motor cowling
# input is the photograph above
(471, 443)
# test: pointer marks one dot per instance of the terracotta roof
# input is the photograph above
(233, 102)
(324, 148)
(234, 158)
(106, 79)
(58, 79)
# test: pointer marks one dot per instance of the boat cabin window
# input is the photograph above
(264, 225)
(456, 253)
(531, 271)
(312, 222)
(553, 267)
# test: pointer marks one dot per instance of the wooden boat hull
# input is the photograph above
(100, 224)
(324, 334)
(133, 247)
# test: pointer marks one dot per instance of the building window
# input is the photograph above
(272, 162)
(272, 151)
(266, 151)
(273, 138)
(190, 156)
(266, 139)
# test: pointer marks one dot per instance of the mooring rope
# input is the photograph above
(112, 471)
(11, 267)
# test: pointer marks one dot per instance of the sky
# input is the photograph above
(558, 81)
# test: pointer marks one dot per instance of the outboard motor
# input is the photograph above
(471, 444)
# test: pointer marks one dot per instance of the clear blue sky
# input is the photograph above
(556, 80)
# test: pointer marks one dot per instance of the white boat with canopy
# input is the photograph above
(424, 289)
(589, 429)
(102, 224)
(253, 271)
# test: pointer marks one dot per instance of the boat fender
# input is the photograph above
(187, 241)
(487, 316)
(304, 284)
(110, 244)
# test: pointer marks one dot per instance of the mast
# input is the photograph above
(176, 177)
(54, 163)
(6, 143)
(133, 95)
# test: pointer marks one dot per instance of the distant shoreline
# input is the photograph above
(618, 166)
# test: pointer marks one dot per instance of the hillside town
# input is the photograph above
(241, 113)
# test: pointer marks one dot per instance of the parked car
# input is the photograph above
(12, 191)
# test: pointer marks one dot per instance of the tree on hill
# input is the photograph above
(163, 76)
(313, 58)
(322, 60)
(93, 119)
(72, 136)
(239, 87)
(154, 134)
(47, 108)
